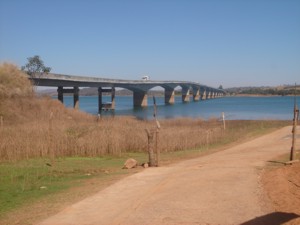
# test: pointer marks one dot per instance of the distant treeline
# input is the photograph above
(288, 90)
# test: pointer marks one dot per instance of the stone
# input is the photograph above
(145, 165)
(130, 163)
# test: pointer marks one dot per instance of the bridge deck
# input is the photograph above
(139, 88)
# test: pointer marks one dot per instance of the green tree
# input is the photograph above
(221, 87)
(35, 67)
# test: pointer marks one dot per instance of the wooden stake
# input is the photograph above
(157, 151)
(294, 131)
(157, 148)
(1, 121)
(150, 135)
(223, 118)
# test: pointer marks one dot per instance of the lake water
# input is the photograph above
(235, 108)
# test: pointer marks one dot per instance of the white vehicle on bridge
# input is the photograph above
(145, 78)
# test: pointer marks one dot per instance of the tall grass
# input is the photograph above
(41, 127)
(13, 83)
(85, 136)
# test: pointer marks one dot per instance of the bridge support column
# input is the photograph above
(185, 95)
(76, 98)
(75, 91)
(169, 96)
(99, 99)
(196, 95)
(113, 95)
(203, 95)
(60, 94)
(208, 95)
(107, 105)
(140, 98)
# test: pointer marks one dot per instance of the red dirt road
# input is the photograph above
(222, 188)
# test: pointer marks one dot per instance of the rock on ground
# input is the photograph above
(130, 163)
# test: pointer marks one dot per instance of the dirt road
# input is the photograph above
(222, 188)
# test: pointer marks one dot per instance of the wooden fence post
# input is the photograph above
(157, 148)
(150, 135)
(294, 131)
(157, 151)
(223, 118)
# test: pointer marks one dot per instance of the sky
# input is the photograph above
(214, 42)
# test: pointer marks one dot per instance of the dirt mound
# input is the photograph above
(282, 185)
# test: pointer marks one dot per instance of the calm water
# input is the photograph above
(242, 108)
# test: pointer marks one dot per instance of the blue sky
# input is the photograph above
(228, 42)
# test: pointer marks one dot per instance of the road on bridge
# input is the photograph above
(221, 188)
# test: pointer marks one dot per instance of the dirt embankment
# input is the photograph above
(282, 185)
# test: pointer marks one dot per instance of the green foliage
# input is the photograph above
(35, 66)
(285, 90)
(29, 180)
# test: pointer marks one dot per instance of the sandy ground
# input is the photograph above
(219, 189)
(282, 185)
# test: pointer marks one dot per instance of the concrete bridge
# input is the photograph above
(71, 84)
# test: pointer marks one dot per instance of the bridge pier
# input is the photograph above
(75, 91)
(196, 95)
(169, 96)
(140, 99)
(203, 94)
(76, 97)
(60, 94)
(185, 94)
(207, 94)
(107, 105)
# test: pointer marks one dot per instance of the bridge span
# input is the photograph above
(140, 88)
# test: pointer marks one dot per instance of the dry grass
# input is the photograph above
(41, 127)
(13, 83)
(82, 135)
